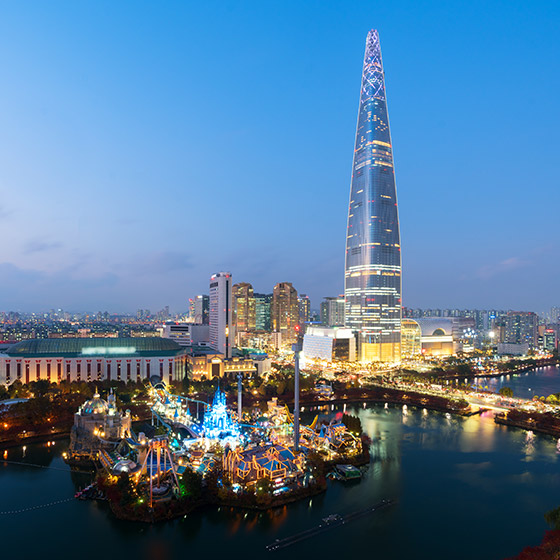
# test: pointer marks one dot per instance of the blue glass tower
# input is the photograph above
(372, 286)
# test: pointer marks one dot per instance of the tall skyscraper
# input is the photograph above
(285, 311)
(372, 287)
(263, 303)
(243, 307)
(304, 304)
(221, 327)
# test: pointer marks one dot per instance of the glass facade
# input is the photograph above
(372, 286)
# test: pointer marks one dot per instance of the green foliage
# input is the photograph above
(191, 483)
(506, 392)
(553, 399)
(552, 517)
(125, 489)
(352, 423)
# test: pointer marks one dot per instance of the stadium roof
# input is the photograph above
(94, 347)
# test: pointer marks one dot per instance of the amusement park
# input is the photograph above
(194, 453)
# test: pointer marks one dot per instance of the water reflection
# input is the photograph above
(482, 474)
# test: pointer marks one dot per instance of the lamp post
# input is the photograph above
(239, 395)
(297, 349)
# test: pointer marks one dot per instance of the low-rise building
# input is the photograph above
(329, 344)
(92, 359)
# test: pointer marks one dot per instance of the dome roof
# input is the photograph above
(95, 406)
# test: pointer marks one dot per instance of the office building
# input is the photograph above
(199, 309)
(332, 311)
(373, 253)
(329, 344)
(244, 317)
(221, 327)
(285, 311)
(263, 305)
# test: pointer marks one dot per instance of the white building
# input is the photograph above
(329, 344)
(186, 334)
(221, 329)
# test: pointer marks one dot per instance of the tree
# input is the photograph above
(506, 392)
(552, 517)
(191, 481)
(125, 489)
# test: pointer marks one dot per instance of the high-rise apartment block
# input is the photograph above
(221, 326)
(332, 311)
(304, 304)
(244, 307)
(373, 252)
(521, 328)
(285, 311)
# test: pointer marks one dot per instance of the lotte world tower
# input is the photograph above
(372, 286)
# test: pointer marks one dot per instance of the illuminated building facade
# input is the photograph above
(411, 338)
(285, 311)
(304, 304)
(263, 305)
(329, 344)
(244, 307)
(521, 328)
(221, 325)
(373, 253)
(93, 359)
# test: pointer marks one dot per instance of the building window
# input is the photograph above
(109, 371)
(138, 375)
(26, 373)
(128, 368)
(118, 371)
(38, 371)
(170, 371)
(18, 371)
(49, 372)
(99, 371)
(88, 371)
(161, 370)
(148, 374)
(59, 372)
(7, 372)
(68, 372)
(79, 371)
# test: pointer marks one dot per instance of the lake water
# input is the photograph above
(542, 382)
(466, 488)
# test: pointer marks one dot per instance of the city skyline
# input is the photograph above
(125, 136)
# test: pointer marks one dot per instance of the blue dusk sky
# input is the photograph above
(146, 145)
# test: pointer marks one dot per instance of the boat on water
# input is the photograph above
(347, 472)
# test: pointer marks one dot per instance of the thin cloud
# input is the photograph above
(40, 246)
(507, 265)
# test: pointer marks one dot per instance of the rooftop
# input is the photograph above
(94, 347)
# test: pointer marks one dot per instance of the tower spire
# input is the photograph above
(372, 287)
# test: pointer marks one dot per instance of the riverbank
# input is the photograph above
(542, 422)
(392, 395)
(543, 362)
